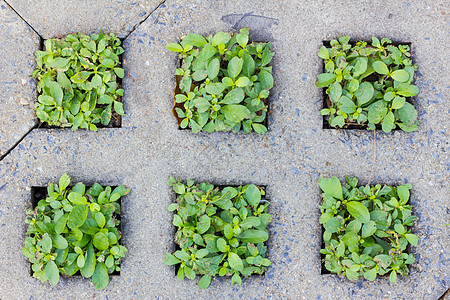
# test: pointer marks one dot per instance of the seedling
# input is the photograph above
(75, 231)
(224, 82)
(367, 229)
(77, 81)
(368, 84)
(219, 231)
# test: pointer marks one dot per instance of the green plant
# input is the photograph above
(220, 231)
(77, 81)
(74, 230)
(367, 84)
(367, 229)
(224, 83)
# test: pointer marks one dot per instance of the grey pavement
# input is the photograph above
(289, 159)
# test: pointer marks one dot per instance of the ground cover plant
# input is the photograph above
(368, 84)
(75, 230)
(220, 231)
(367, 229)
(77, 81)
(224, 82)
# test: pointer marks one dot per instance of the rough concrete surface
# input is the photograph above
(18, 42)
(289, 159)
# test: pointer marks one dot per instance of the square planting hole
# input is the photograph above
(96, 222)
(362, 85)
(79, 82)
(223, 88)
(228, 233)
(371, 230)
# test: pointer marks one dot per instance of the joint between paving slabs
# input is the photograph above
(18, 142)
(23, 19)
(145, 19)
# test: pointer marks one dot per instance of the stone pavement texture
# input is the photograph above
(289, 159)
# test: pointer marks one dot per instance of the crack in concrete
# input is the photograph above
(23, 19)
(18, 142)
(145, 19)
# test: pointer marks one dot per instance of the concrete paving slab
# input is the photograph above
(58, 18)
(288, 159)
(18, 42)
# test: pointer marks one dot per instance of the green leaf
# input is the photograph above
(407, 90)
(399, 228)
(325, 79)
(195, 40)
(100, 219)
(369, 228)
(105, 99)
(253, 195)
(52, 272)
(80, 76)
(332, 187)
(403, 193)
(100, 241)
(393, 276)
(235, 67)
(370, 274)
(174, 47)
(204, 224)
(335, 91)
(77, 198)
(199, 75)
(266, 79)
(56, 92)
(64, 182)
(45, 243)
(323, 53)
(118, 108)
(170, 260)
(80, 261)
(332, 225)
(400, 75)
(235, 261)
(347, 105)
(177, 221)
(60, 223)
(220, 38)
(119, 72)
(412, 238)
(364, 93)
(109, 63)
(259, 128)
(77, 216)
(204, 282)
(248, 66)
(179, 188)
(236, 279)
(359, 211)
(234, 96)
(407, 114)
(59, 242)
(253, 236)
(243, 81)
(221, 245)
(377, 111)
(89, 264)
(235, 113)
(64, 82)
(360, 66)
(380, 67)
(388, 122)
(350, 239)
(398, 102)
(242, 39)
(215, 88)
(213, 68)
(100, 277)
(58, 63)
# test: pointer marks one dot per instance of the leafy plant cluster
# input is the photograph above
(219, 231)
(367, 229)
(225, 82)
(78, 81)
(367, 84)
(74, 230)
